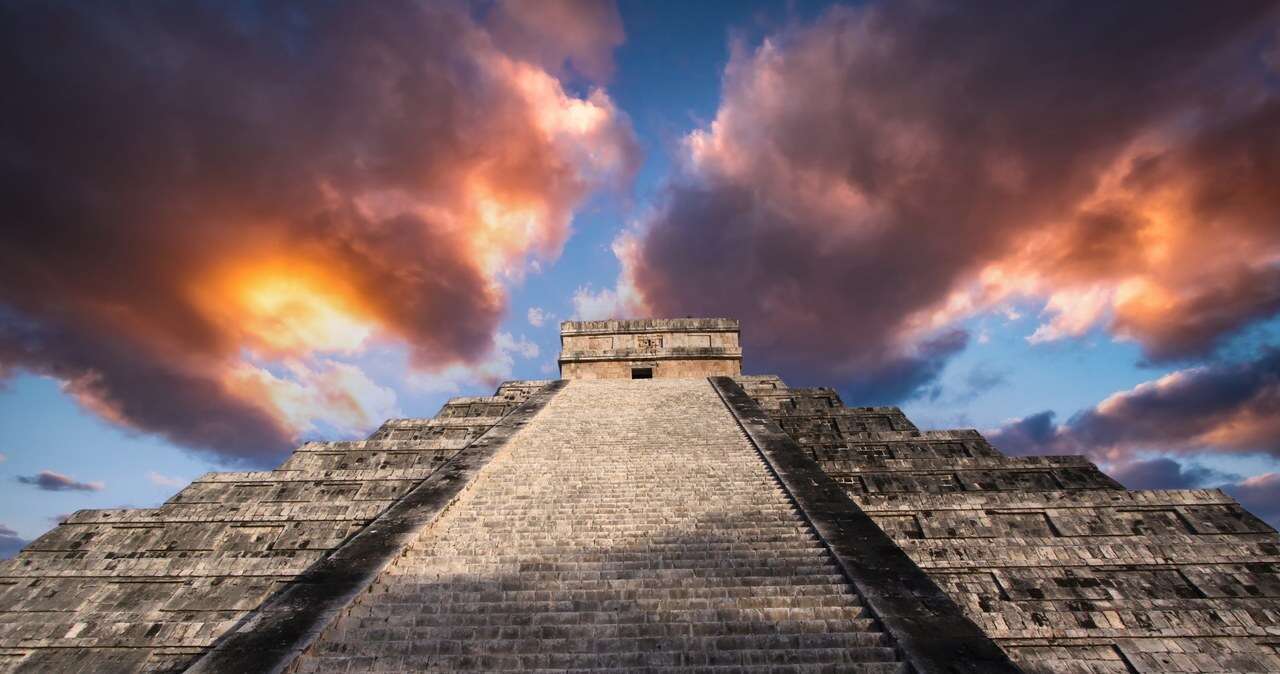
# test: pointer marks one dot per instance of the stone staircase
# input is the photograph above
(631, 525)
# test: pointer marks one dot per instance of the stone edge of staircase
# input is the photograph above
(928, 627)
(295, 617)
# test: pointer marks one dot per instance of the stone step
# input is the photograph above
(392, 661)
(627, 526)
(416, 642)
(641, 568)
(369, 663)
(673, 623)
(630, 610)
(787, 545)
(514, 602)
(615, 580)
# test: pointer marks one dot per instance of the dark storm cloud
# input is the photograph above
(185, 183)
(1223, 407)
(51, 481)
(875, 177)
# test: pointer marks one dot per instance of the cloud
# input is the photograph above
(494, 369)
(537, 316)
(10, 542)
(212, 212)
(590, 304)
(51, 481)
(3, 457)
(1167, 473)
(1034, 434)
(875, 177)
(1260, 495)
(1222, 407)
(338, 393)
(981, 379)
(579, 35)
(165, 480)
(520, 346)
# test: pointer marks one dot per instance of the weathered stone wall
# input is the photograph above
(152, 589)
(661, 369)
(1065, 569)
(1059, 564)
(679, 348)
(630, 526)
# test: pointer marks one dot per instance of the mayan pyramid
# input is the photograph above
(656, 510)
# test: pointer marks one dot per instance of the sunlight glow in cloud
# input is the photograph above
(210, 258)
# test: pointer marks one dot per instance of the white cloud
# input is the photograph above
(165, 480)
(537, 317)
(592, 305)
(1074, 312)
(621, 301)
(521, 346)
(338, 394)
(491, 371)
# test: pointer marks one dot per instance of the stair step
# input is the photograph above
(626, 527)
(518, 613)
(445, 628)
(634, 659)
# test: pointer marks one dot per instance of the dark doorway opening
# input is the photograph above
(642, 373)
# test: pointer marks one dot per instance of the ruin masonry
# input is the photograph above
(654, 509)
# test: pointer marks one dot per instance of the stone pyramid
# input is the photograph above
(654, 510)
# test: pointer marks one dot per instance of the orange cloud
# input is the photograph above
(286, 308)
(199, 245)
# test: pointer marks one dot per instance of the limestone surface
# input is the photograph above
(630, 525)
(1060, 565)
(615, 523)
(153, 589)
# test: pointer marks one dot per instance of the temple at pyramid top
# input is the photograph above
(650, 348)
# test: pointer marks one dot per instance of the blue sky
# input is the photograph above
(881, 195)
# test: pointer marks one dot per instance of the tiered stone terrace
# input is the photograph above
(1059, 564)
(153, 589)
(630, 525)
(664, 524)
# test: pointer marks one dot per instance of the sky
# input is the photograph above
(234, 227)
